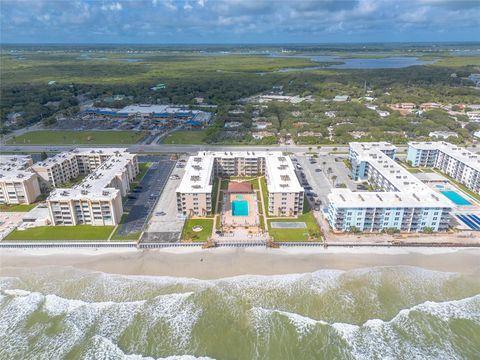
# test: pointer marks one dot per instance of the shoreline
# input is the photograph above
(228, 262)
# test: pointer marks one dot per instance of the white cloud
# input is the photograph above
(116, 6)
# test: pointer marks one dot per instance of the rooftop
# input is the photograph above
(14, 167)
(199, 171)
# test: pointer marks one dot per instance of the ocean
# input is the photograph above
(396, 312)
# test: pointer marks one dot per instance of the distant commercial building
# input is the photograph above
(178, 114)
(18, 184)
(342, 98)
(97, 199)
(285, 195)
(455, 161)
(400, 201)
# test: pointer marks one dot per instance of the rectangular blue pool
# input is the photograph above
(456, 198)
(240, 208)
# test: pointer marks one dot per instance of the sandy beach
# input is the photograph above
(226, 262)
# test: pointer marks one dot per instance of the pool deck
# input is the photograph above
(249, 220)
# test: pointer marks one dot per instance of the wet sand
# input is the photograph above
(226, 262)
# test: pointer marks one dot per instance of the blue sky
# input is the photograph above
(238, 21)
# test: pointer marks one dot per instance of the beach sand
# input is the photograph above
(227, 262)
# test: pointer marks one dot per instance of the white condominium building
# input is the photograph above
(194, 194)
(455, 161)
(18, 184)
(400, 201)
(97, 200)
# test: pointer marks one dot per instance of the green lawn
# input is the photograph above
(77, 137)
(17, 207)
(186, 137)
(216, 183)
(79, 232)
(189, 234)
(296, 234)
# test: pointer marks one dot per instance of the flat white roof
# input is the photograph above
(95, 185)
(411, 192)
(199, 170)
(148, 109)
(461, 154)
(14, 167)
(59, 158)
(344, 198)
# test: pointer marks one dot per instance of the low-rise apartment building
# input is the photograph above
(455, 161)
(399, 200)
(18, 184)
(194, 194)
(97, 199)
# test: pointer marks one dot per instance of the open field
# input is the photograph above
(17, 207)
(78, 137)
(186, 137)
(111, 69)
(55, 233)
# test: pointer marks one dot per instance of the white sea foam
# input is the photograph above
(378, 338)
(103, 348)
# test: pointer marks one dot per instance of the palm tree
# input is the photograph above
(334, 179)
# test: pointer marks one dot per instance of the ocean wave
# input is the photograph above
(173, 313)
(378, 338)
(103, 348)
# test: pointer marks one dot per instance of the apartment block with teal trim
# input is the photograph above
(399, 200)
(455, 161)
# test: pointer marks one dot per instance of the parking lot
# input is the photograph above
(141, 201)
(317, 177)
(166, 225)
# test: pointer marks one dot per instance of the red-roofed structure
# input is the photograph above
(239, 187)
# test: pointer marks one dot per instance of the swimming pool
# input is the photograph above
(456, 198)
(240, 208)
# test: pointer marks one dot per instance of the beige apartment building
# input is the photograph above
(194, 194)
(18, 184)
(97, 200)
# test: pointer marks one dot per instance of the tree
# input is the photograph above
(43, 155)
(334, 179)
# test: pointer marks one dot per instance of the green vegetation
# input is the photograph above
(312, 232)
(216, 184)
(186, 137)
(78, 137)
(56, 233)
(17, 207)
(142, 169)
(203, 235)
(224, 79)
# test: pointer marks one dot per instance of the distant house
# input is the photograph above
(342, 98)
(473, 115)
(262, 134)
(477, 134)
(199, 100)
(442, 134)
(51, 82)
(262, 125)
(475, 78)
(383, 113)
(429, 106)
(310, 134)
(232, 124)
(330, 114)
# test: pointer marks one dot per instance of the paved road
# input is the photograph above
(161, 148)
(152, 186)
